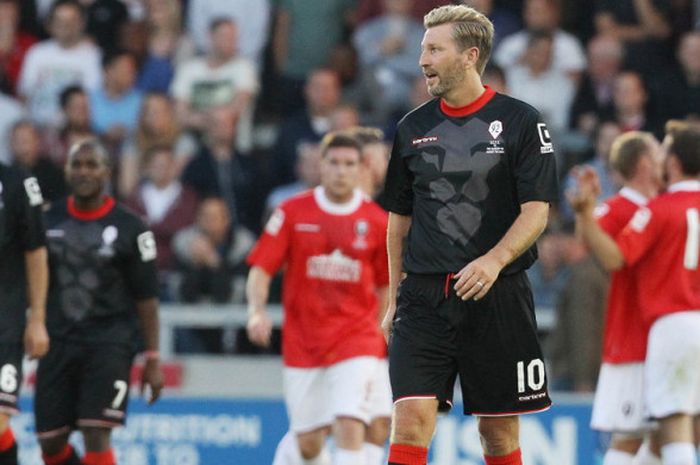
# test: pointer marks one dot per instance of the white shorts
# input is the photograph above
(358, 388)
(618, 405)
(672, 374)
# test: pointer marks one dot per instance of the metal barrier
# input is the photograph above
(236, 316)
(204, 316)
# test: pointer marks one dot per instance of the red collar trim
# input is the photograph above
(91, 215)
(473, 107)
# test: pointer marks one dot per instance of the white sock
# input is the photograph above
(645, 456)
(617, 457)
(678, 453)
(349, 457)
(287, 452)
(374, 455)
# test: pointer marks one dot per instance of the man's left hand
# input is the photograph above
(153, 378)
(36, 339)
(476, 279)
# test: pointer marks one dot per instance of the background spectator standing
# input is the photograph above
(53, 64)
(75, 124)
(305, 33)
(165, 205)
(679, 90)
(211, 255)
(221, 78)
(25, 146)
(322, 96)
(157, 127)
(537, 81)
(14, 44)
(115, 105)
(252, 18)
(388, 47)
(543, 15)
(219, 170)
(104, 20)
(643, 26)
(168, 45)
(504, 22)
(595, 92)
(631, 105)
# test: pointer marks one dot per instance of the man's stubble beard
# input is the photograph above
(449, 79)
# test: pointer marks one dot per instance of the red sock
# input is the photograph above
(402, 454)
(513, 458)
(60, 458)
(100, 458)
(7, 439)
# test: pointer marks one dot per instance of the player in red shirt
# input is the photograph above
(618, 406)
(662, 243)
(331, 241)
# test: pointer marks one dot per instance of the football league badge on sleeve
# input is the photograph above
(545, 139)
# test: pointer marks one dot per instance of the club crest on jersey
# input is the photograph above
(361, 230)
(31, 186)
(425, 140)
(109, 235)
(495, 129)
(545, 139)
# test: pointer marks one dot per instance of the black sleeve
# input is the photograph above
(142, 274)
(31, 224)
(398, 189)
(535, 168)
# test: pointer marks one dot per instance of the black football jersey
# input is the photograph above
(462, 174)
(101, 263)
(21, 230)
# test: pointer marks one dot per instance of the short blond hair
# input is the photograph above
(470, 29)
(627, 149)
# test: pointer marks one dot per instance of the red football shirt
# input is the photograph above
(625, 337)
(663, 241)
(335, 257)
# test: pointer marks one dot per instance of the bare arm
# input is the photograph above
(147, 310)
(654, 24)
(475, 279)
(601, 245)
(257, 292)
(383, 296)
(36, 339)
(395, 235)
(280, 40)
(583, 200)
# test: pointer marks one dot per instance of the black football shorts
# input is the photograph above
(491, 344)
(10, 377)
(82, 386)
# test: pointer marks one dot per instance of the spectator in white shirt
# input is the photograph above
(222, 78)
(543, 15)
(537, 82)
(66, 59)
(253, 18)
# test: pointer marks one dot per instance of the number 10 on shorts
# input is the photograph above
(533, 375)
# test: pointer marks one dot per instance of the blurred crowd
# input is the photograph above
(213, 110)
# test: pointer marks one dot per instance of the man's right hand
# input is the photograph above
(584, 197)
(387, 324)
(259, 328)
